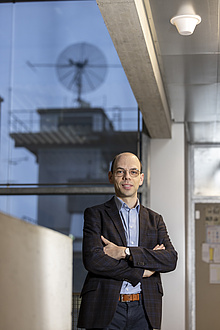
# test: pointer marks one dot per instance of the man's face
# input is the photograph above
(126, 186)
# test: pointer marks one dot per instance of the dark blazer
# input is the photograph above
(102, 286)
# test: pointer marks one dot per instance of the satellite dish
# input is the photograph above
(81, 68)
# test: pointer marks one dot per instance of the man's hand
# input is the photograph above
(118, 252)
(159, 247)
(112, 250)
(148, 273)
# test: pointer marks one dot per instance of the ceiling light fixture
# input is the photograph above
(185, 24)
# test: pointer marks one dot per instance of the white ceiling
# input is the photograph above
(176, 79)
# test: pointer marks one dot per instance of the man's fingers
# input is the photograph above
(105, 240)
(148, 273)
(159, 247)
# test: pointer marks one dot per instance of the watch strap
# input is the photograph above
(127, 254)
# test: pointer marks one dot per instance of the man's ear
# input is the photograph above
(141, 179)
(110, 177)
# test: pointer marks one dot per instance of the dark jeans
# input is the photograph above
(129, 316)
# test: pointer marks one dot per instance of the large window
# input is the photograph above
(67, 107)
(206, 171)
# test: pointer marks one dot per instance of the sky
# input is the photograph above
(37, 33)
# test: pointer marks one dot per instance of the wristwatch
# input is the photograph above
(127, 254)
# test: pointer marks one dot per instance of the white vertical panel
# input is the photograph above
(35, 277)
(167, 196)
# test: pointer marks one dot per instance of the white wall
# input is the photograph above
(167, 197)
(35, 277)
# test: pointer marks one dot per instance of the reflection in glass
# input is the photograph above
(67, 111)
(52, 132)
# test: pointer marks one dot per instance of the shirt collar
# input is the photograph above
(120, 204)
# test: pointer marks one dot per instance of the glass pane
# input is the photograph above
(21, 207)
(207, 171)
(68, 107)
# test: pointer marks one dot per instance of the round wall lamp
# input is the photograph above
(185, 24)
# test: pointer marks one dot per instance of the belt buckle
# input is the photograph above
(127, 300)
(122, 298)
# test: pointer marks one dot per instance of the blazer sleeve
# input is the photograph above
(94, 258)
(155, 260)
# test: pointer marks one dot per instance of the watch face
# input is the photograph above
(127, 251)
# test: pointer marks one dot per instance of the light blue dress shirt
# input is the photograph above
(130, 220)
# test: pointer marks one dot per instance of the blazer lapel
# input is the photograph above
(113, 213)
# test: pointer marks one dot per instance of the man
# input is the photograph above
(125, 248)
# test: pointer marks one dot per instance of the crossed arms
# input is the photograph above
(106, 259)
(118, 252)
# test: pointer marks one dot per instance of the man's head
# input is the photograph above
(123, 153)
(126, 175)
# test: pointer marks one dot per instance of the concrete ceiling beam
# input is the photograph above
(127, 23)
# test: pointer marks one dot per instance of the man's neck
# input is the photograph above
(130, 202)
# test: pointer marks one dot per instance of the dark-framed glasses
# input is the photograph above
(132, 172)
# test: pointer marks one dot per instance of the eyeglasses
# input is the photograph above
(133, 172)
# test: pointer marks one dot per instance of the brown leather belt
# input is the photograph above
(130, 297)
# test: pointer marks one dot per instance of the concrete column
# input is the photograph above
(167, 197)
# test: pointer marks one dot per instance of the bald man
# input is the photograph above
(125, 248)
